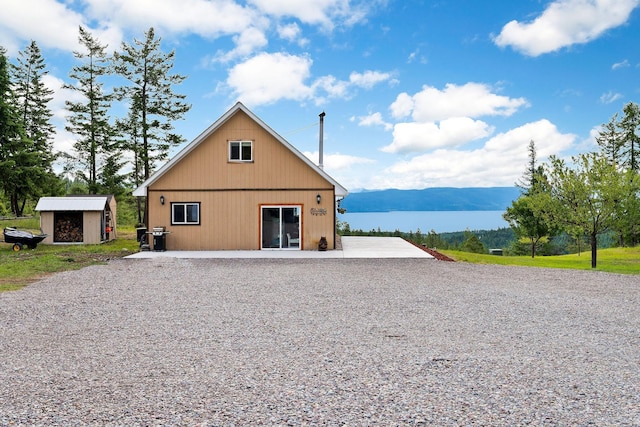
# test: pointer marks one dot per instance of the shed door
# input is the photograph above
(281, 227)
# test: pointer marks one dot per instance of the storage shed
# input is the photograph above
(78, 219)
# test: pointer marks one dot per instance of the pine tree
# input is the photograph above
(89, 118)
(20, 171)
(526, 214)
(629, 126)
(32, 99)
(610, 140)
(150, 95)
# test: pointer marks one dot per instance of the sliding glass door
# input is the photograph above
(281, 227)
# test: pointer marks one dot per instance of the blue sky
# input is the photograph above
(417, 94)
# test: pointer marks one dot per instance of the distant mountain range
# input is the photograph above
(432, 199)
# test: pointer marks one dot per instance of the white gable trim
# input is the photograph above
(340, 191)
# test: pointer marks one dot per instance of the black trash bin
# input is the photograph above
(159, 239)
(140, 231)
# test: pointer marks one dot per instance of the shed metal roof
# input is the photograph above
(71, 203)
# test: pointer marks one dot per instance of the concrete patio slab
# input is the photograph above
(352, 247)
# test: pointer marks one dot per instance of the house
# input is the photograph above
(88, 219)
(240, 185)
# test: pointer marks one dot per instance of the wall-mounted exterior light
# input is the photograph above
(162, 200)
(318, 198)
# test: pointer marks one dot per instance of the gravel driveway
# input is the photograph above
(321, 342)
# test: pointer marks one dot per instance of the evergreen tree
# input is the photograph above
(151, 98)
(20, 166)
(629, 126)
(89, 118)
(472, 244)
(32, 99)
(526, 215)
(610, 140)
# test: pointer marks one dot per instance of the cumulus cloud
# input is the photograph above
(565, 23)
(337, 161)
(318, 12)
(292, 33)
(368, 79)
(269, 77)
(208, 18)
(52, 23)
(55, 22)
(446, 118)
(374, 119)
(499, 162)
(423, 136)
(470, 100)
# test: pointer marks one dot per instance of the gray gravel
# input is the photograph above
(321, 342)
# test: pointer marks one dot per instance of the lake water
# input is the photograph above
(440, 221)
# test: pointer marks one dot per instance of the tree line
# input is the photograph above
(111, 155)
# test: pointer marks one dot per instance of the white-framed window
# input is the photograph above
(240, 151)
(185, 213)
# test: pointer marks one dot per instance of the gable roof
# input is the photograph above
(87, 203)
(340, 191)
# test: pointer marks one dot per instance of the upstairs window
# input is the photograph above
(240, 151)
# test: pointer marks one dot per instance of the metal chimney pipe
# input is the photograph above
(321, 142)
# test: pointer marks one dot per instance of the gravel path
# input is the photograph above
(321, 342)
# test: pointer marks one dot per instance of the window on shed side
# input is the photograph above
(240, 151)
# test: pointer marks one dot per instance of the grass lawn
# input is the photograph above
(18, 269)
(614, 260)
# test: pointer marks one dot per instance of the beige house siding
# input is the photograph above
(207, 167)
(231, 220)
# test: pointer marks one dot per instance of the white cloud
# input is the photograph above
(621, 64)
(325, 13)
(470, 100)
(610, 97)
(49, 22)
(208, 18)
(368, 79)
(269, 77)
(374, 119)
(423, 136)
(292, 33)
(247, 42)
(500, 162)
(448, 117)
(565, 23)
(337, 161)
